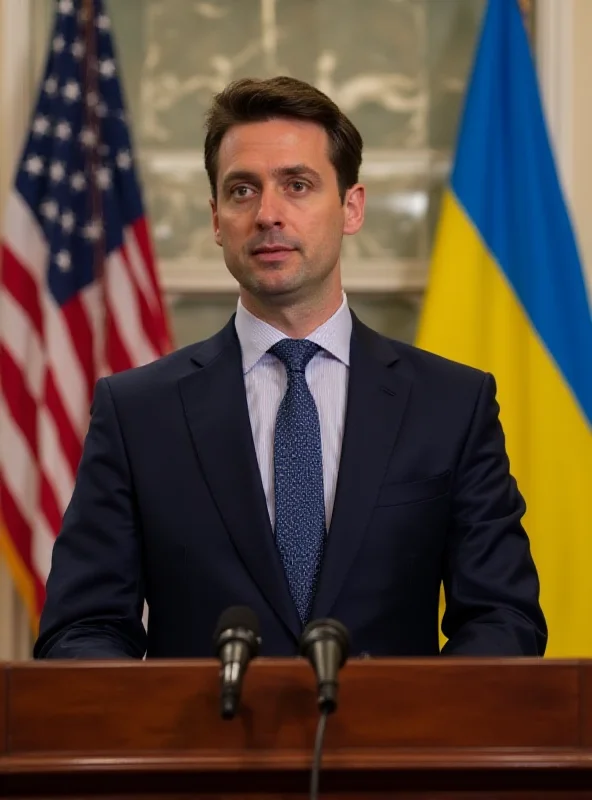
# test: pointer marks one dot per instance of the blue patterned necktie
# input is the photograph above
(298, 466)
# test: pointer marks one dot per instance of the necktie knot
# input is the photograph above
(294, 353)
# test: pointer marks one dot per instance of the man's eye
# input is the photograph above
(241, 192)
(299, 186)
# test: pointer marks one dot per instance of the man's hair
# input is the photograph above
(258, 100)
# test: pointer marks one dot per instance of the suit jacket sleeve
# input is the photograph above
(95, 593)
(490, 580)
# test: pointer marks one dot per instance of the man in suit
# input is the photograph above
(297, 462)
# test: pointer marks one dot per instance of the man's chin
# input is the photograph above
(274, 284)
(278, 294)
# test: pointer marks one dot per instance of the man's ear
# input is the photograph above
(353, 206)
(215, 223)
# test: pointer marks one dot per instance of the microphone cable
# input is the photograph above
(318, 754)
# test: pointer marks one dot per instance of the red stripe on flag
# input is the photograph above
(21, 285)
(149, 321)
(49, 505)
(71, 444)
(81, 334)
(140, 231)
(117, 357)
(21, 405)
(160, 321)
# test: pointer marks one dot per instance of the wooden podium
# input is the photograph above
(433, 728)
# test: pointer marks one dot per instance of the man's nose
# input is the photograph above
(269, 213)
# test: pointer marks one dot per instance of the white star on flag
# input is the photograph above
(57, 171)
(51, 85)
(124, 159)
(64, 260)
(107, 68)
(71, 91)
(66, 7)
(63, 131)
(92, 99)
(58, 44)
(104, 177)
(34, 165)
(77, 49)
(103, 22)
(92, 230)
(78, 181)
(88, 137)
(68, 221)
(41, 125)
(50, 210)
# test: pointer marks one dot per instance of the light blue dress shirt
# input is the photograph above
(265, 381)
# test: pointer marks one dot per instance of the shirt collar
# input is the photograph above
(256, 336)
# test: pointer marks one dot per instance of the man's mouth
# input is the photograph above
(273, 253)
(272, 248)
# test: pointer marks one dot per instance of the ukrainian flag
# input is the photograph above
(507, 294)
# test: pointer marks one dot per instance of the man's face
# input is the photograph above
(278, 215)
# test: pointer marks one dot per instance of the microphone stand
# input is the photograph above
(325, 643)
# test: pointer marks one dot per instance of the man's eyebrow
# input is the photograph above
(292, 170)
(296, 169)
(240, 175)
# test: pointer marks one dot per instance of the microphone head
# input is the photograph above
(325, 643)
(322, 630)
(238, 622)
(236, 642)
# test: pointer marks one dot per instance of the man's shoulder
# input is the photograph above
(420, 363)
(438, 366)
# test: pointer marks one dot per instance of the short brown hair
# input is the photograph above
(257, 100)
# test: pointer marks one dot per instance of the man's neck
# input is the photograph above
(297, 321)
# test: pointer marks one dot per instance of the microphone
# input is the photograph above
(236, 642)
(325, 643)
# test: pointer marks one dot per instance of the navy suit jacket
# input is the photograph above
(169, 507)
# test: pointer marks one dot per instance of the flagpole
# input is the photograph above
(91, 99)
(526, 9)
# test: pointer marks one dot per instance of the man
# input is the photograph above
(297, 462)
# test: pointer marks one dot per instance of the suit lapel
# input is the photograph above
(217, 414)
(377, 397)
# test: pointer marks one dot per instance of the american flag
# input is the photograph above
(79, 292)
